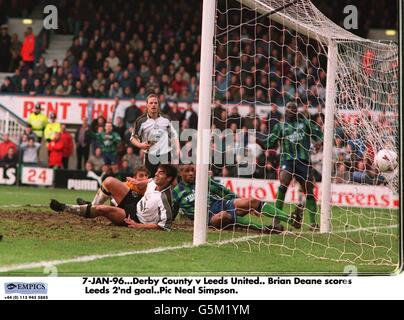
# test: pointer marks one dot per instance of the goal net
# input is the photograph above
(268, 53)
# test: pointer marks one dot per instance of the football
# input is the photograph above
(386, 160)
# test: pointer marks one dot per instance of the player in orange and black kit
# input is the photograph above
(140, 174)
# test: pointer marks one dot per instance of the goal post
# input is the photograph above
(325, 225)
(262, 53)
(204, 122)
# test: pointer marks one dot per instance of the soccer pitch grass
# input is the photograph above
(34, 237)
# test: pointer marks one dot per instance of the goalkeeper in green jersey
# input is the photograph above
(225, 208)
(295, 137)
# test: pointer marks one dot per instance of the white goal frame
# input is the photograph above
(309, 22)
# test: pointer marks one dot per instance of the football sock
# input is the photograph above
(269, 210)
(101, 197)
(245, 221)
(86, 211)
(280, 199)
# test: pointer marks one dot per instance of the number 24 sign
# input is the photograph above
(37, 176)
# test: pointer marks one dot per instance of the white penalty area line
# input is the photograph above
(44, 264)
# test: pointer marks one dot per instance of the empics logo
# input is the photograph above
(26, 288)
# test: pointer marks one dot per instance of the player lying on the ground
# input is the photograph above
(294, 137)
(153, 211)
(225, 208)
(136, 184)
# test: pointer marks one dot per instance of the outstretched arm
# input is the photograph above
(140, 184)
(140, 226)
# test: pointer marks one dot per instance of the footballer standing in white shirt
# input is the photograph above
(156, 136)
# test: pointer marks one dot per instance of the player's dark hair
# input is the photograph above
(170, 170)
(141, 169)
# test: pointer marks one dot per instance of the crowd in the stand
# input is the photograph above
(132, 49)
(105, 148)
(119, 52)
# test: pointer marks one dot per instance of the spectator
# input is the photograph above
(227, 172)
(133, 160)
(5, 52)
(53, 70)
(274, 117)
(220, 123)
(28, 48)
(10, 159)
(51, 87)
(79, 90)
(262, 133)
(316, 159)
(97, 160)
(30, 151)
(119, 127)
(357, 146)
(67, 139)
(109, 142)
(235, 117)
(29, 133)
(116, 172)
(118, 109)
(37, 88)
(82, 138)
(359, 174)
(113, 60)
(305, 113)
(88, 167)
(6, 145)
(40, 69)
(7, 86)
(98, 123)
(126, 170)
(115, 90)
(52, 128)
(65, 89)
(141, 95)
(191, 116)
(106, 172)
(80, 69)
(319, 116)
(250, 117)
(338, 148)
(23, 88)
(165, 106)
(131, 114)
(82, 40)
(342, 175)
(174, 113)
(15, 52)
(100, 80)
(55, 148)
